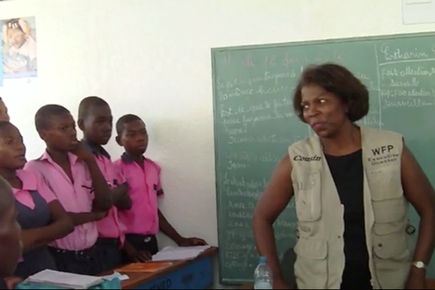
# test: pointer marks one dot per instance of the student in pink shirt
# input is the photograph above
(40, 215)
(72, 174)
(144, 219)
(10, 234)
(95, 121)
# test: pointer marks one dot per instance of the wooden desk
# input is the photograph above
(192, 274)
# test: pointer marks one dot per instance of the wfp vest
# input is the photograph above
(320, 247)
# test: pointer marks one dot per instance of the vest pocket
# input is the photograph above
(308, 201)
(311, 267)
(385, 183)
(392, 259)
(390, 210)
(386, 191)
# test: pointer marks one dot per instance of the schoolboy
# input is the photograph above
(95, 121)
(72, 174)
(144, 220)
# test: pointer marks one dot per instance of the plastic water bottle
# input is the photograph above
(262, 275)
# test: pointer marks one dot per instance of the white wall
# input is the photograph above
(152, 58)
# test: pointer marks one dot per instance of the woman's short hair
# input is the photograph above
(336, 80)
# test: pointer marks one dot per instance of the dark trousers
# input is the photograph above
(141, 243)
(84, 262)
(109, 253)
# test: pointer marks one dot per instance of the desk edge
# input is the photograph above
(208, 253)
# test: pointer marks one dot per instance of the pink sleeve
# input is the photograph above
(119, 175)
(86, 177)
(44, 190)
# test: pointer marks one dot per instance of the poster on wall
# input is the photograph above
(18, 55)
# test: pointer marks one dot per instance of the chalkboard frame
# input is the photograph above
(216, 50)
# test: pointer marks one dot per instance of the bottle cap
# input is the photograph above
(263, 259)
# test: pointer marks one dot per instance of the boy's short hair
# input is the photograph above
(125, 120)
(44, 114)
(90, 102)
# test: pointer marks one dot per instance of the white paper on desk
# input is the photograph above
(115, 274)
(62, 279)
(179, 253)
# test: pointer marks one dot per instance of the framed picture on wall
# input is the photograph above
(19, 48)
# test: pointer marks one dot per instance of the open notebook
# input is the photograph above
(62, 279)
(179, 253)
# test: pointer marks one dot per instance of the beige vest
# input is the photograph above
(320, 247)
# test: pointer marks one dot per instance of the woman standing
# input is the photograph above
(351, 199)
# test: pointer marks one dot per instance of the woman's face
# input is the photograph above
(323, 111)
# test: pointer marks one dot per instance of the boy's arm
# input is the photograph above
(169, 231)
(120, 196)
(80, 218)
(103, 199)
(164, 226)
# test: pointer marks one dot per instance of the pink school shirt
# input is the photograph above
(31, 181)
(144, 189)
(75, 197)
(110, 226)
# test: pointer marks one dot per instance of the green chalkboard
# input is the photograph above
(254, 122)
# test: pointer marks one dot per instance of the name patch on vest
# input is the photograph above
(383, 154)
(307, 158)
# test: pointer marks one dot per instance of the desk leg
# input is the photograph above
(196, 275)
